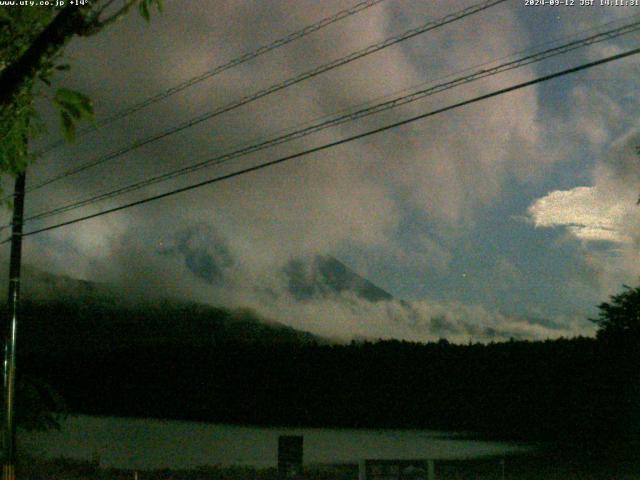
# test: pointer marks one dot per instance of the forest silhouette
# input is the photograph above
(583, 391)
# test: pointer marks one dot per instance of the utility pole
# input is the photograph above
(10, 330)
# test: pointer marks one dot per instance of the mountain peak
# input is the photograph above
(324, 276)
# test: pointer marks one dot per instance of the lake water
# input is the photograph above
(148, 444)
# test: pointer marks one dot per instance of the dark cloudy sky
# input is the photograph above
(511, 217)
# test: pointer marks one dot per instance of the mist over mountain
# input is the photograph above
(77, 314)
(41, 286)
(324, 276)
(205, 252)
(196, 277)
(63, 314)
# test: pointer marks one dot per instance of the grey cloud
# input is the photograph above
(449, 168)
(324, 275)
(604, 212)
(206, 254)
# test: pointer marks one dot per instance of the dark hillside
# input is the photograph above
(59, 327)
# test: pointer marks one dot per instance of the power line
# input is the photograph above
(220, 68)
(349, 117)
(326, 146)
(377, 108)
(473, 9)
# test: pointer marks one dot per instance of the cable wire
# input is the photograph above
(326, 146)
(473, 9)
(374, 109)
(219, 69)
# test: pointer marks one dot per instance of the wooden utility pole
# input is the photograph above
(10, 331)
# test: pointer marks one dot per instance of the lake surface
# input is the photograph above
(149, 443)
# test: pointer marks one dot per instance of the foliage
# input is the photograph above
(73, 107)
(619, 319)
(18, 121)
(145, 7)
(32, 40)
(21, 29)
(18, 29)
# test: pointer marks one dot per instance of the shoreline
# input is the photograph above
(515, 467)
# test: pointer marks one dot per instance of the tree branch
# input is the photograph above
(106, 5)
(69, 22)
(115, 16)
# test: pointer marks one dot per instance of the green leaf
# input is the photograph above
(72, 109)
(86, 105)
(143, 6)
(75, 104)
(68, 126)
(68, 96)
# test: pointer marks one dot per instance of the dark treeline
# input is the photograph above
(581, 390)
(534, 390)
